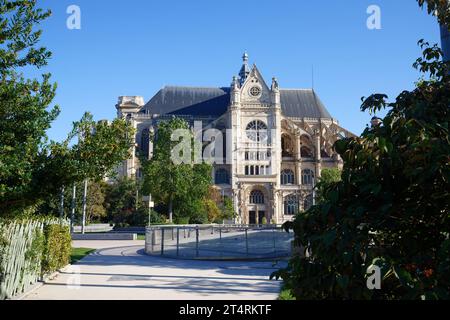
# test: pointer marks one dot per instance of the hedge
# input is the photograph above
(29, 250)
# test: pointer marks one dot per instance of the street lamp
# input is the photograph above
(151, 205)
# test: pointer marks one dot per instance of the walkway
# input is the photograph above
(120, 270)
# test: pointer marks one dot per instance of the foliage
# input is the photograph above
(58, 246)
(30, 249)
(227, 209)
(122, 207)
(391, 208)
(120, 199)
(31, 168)
(95, 202)
(441, 7)
(181, 187)
(329, 176)
(286, 294)
(24, 112)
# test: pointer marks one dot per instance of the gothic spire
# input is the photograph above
(245, 70)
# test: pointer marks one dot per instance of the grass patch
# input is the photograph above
(141, 237)
(79, 253)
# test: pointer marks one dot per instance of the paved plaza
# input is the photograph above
(120, 270)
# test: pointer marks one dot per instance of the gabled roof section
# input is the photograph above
(195, 101)
(214, 102)
(302, 103)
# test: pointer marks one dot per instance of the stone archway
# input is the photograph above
(257, 205)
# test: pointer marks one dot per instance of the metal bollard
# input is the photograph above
(162, 241)
(246, 240)
(196, 241)
(220, 241)
(178, 242)
(274, 241)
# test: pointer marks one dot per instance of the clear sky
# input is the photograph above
(136, 47)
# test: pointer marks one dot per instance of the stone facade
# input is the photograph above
(277, 141)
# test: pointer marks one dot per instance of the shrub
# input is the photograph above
(29, 249)
(390, 209)
(57, 248)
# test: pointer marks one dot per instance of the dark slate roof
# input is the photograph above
(298, 103)
(189, 101)
(302, 103)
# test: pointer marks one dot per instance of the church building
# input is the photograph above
(277, 140)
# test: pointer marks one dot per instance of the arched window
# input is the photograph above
(257, 131)
(306, 152)
(307, 177)
(287, 147)
(291, 205)
(256, 197)
(287, 177)
(222, 176)
(307, 204)
(145, 141)
(324, 154)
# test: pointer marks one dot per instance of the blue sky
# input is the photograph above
(136, 47)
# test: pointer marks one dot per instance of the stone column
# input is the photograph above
(318, 154)
(298, 160)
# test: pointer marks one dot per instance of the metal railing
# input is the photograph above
(218, 242)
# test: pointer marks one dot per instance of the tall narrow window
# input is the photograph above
(222, 176)
(256, 197)
(287, 177)
(307, 204)
(307, 177)
(145, 143)
(291, 205)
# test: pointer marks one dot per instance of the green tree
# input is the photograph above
(120, 200)
(95, 205)
(328, 177)
(31, 168)
(24, 104)
(391, 209)
(179, 186)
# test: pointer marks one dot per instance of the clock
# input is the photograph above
(255, 91)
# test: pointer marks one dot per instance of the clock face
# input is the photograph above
(255, 91)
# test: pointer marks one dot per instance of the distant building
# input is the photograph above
(280, 140)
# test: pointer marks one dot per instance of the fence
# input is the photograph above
(218, 242)
(23, 250)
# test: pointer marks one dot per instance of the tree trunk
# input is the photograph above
(171, 209)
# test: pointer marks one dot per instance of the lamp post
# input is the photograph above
(83, 224)
(314, 191)
(151, 204)
(72, 209)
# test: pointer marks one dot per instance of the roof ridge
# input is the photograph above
(296, 89)
(191, 87)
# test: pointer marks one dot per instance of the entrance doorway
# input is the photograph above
(252, 217)
(261, 215)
